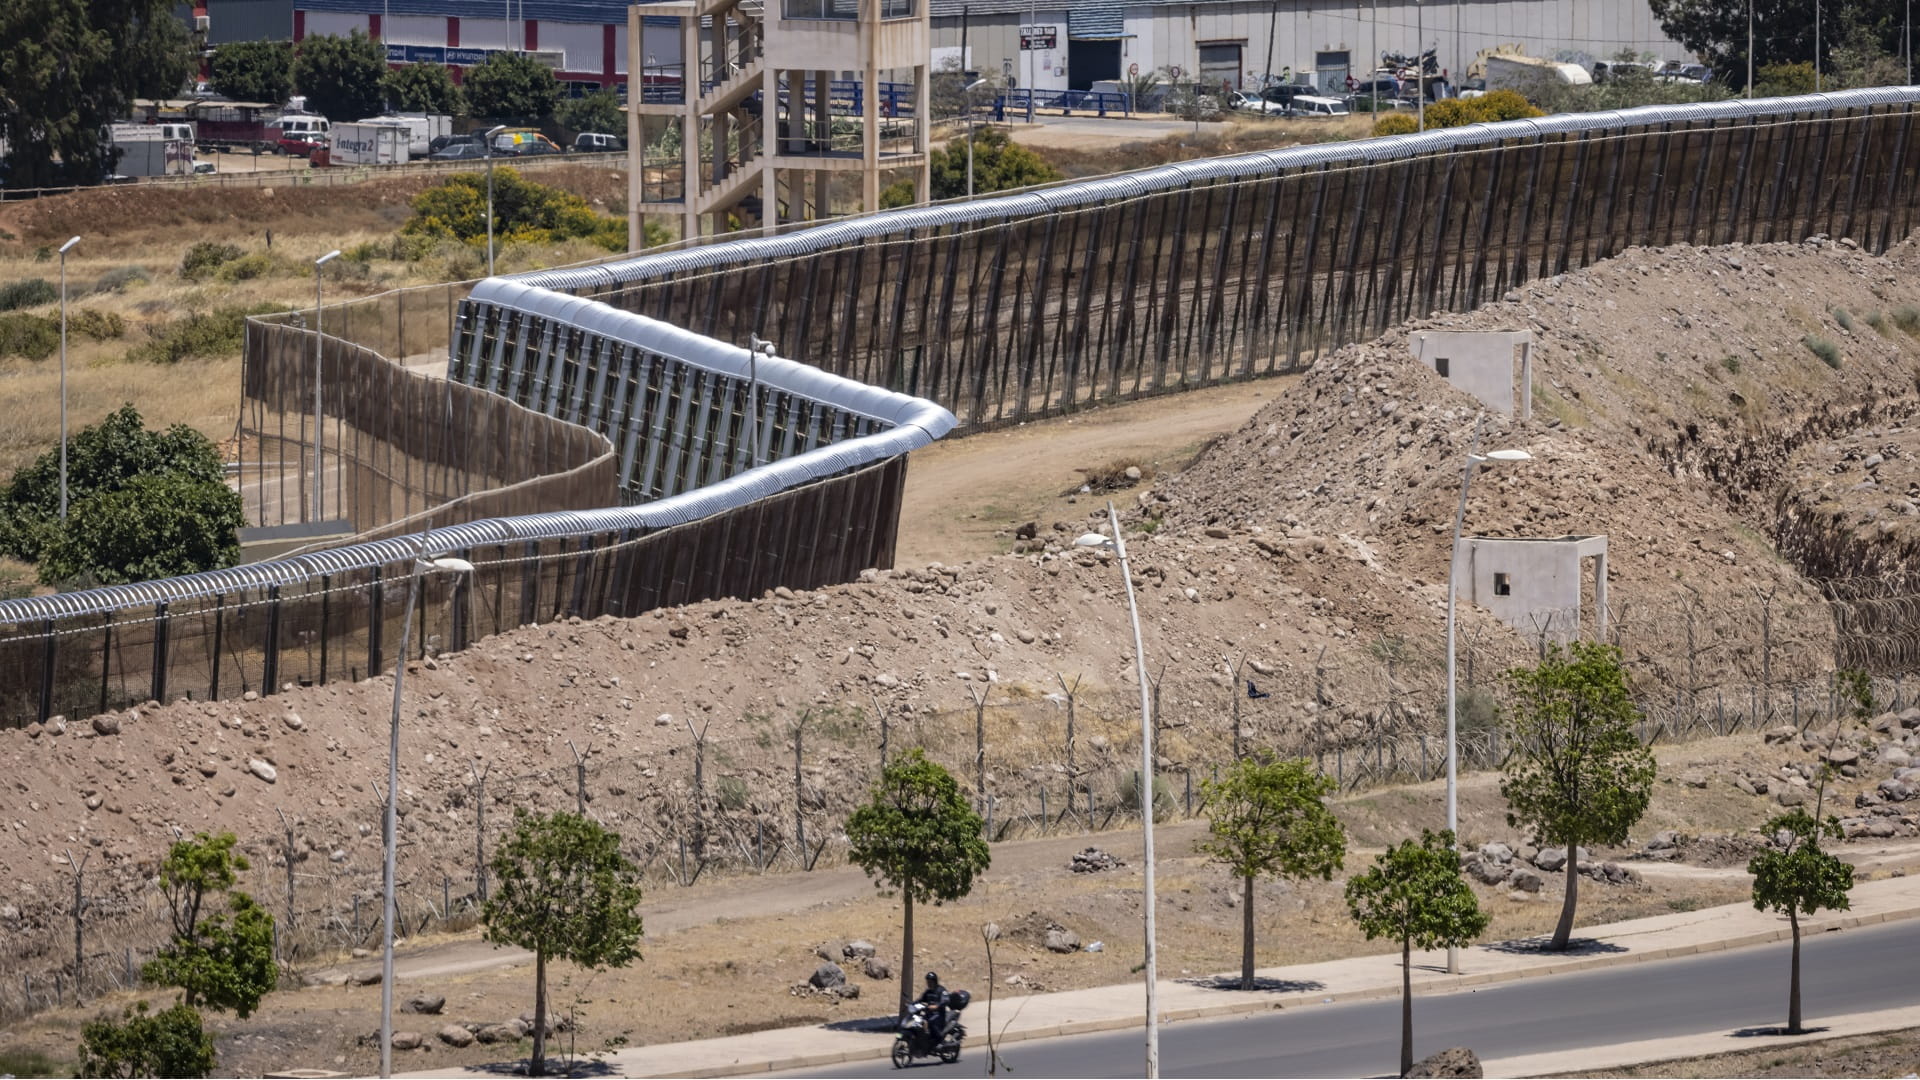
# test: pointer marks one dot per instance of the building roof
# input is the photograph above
(565, 11)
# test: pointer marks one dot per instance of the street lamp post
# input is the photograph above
(1474, 459)
(490, 137)
(968, 91)
(420, 567)
(1118, 546)
(64, 248)
(1033, 36)
(319, 470)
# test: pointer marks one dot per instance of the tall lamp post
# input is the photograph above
(1033, 38)
(64, 248)
(1118, 546)
(970, 88)
(1474, 460)
(490, 137)
(420, 567)
(319, 470)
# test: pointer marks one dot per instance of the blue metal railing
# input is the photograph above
(1066, 102)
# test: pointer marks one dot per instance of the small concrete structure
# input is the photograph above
(1533, 583)
(1481, 363)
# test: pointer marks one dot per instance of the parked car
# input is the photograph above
(202, 168)
(459, 151)
(1249, 102)
(441, 142)
(1311, 105)
(302, 143)
(593, 142)
(1386, 87)
(523, 144)
(1674, 71)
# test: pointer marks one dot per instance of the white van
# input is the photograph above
(1309, 105)
(169, 132)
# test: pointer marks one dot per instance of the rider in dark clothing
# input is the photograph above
(934, 997)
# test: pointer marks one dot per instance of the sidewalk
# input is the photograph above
(1110, 1008)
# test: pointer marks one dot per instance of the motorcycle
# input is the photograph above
(916, 1040)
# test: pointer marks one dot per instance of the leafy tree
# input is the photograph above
(524, 212)
(1414, 893)
(999, 164)
(259, 71)
(167, 1043)
(1268, 818)
(222, 960)
(596, 112)
(194, 509)
(511, 84)
(1800, 880)
(1578, 773)
(426, 88)
(68, 68)
(917, 837)
(564, 892)
(342, 77)
(158, 525)
(1716, 30)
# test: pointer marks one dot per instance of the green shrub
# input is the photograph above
(167, 1043)
(1907, 317)
(31, 292)
(1877, 321)
(96, 325)
(1731, 363)
(1162, 795)
(246, 267)
(201, 334)
(205, 257)
(1844, 318)
(1395, 124)
(120, 277)
(1824, 349)
(731, 792)
(34, 337)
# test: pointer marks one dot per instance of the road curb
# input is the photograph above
(1438, 984)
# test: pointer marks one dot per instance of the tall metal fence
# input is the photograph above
(397, 451)
(1013, 307)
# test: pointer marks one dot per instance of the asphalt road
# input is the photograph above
(1842, 972)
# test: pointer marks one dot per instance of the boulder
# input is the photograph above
(1895, 758)
(1664, 840)
(875, 968)
(1790, 796)
(1555, 858)
(455, 1035)
(408, 1040)
(262, 770)
(499, 1033)
(1783, 734)
(365, 978)
(1497, 853)
(857, 950)
(1487, 872)
(1896, 790)
(827, 976)
(1455, 1061)
(106, 724)
(1526, 880)
(1910, 717)
(830, 951)
(430, 1004)
(1062, 940)
(1841, 756)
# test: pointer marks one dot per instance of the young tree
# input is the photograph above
(223, 961)
(597, 112)
(512, 84)
(426, 88)
(563, 891)
(1578, 773)
(260, 71)
(917, 837)
(1414, 894)
(1268, 818)
(1800, 880)
(1716, 31)
(341, 76)
(141, 504)
(167, 1043)
(68, 68)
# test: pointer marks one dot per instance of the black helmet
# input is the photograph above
(933, 977)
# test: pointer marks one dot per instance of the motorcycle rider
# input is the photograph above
(934, 997)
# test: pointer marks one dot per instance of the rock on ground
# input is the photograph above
(1455, 1061)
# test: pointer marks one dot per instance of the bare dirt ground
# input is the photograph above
(721, 954)
(964, 496)
(1890, 1053)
